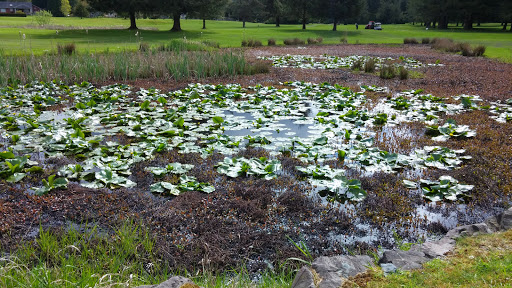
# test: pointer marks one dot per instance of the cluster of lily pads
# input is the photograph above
(446, 187)
(502, 111)
(312, 122)
(335, 62)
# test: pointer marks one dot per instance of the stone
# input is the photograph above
(174, 282)
(468, 230)
(439, 248)
(501, 222)
(334, 270)
(388, 268)
(506, 220)
(404, 260)
(493, 223)
(346, 266)
(304, 279)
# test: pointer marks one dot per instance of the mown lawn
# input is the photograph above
(102, 34)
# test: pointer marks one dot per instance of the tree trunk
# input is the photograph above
(468, 22)
(278, 21)
(443, 22)
(133, 25)
(176, 25)
(434, 24)
(504, 26)
(335, 25)
(204, 23)
(243, 23)
(303, 18)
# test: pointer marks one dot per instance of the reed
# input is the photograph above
(171, 64)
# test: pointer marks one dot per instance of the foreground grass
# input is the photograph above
(175, 64)
(127, 257)
(482, 261)
(102, 34)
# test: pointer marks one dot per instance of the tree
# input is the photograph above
(338, 10)
(131, 7)
(175, 8)
(246, 10)
(81, 9)
(65, 8)
(207, 9)
(303, 9)
(274, 9)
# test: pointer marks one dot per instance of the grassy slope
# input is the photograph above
(106, 33)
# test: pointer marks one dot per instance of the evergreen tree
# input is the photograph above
(207, 9)
(131, 7)
(246, 10)
(81, 9)
(275, 9)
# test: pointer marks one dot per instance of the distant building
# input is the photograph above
(13, 7)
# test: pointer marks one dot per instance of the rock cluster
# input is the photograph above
(332, 272)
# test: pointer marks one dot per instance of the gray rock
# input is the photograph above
(388, 268)
(501, 222)
(174, 282)
(468, 230)
(333, 271)
(304, 279)
(436, 249)
(506, 220)
(343, 265)
(332, 280)
(404, 260)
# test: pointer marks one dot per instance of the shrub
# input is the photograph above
(357, 65)
(260, 67)
(425, 41)
(479, 50)
(43, 17)
(387, 71)
(271, 42)
(319, 40)
(410, 41)
(67, 49)
(254, 43)
(312, 41)
(244, 43)
(369, 65)
(465, 49)
(297, 41)
(403, 73)
(344, 40)
(445, 44)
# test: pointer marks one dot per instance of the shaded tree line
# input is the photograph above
(431, 13)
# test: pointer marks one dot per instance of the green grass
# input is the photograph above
(481, 261)
(100, 34)
(89, 257)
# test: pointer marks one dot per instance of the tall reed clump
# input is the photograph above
(122, 66)
(370, 65)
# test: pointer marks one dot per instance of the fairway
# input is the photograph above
(110, 34)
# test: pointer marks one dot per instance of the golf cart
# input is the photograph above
(373, 25)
